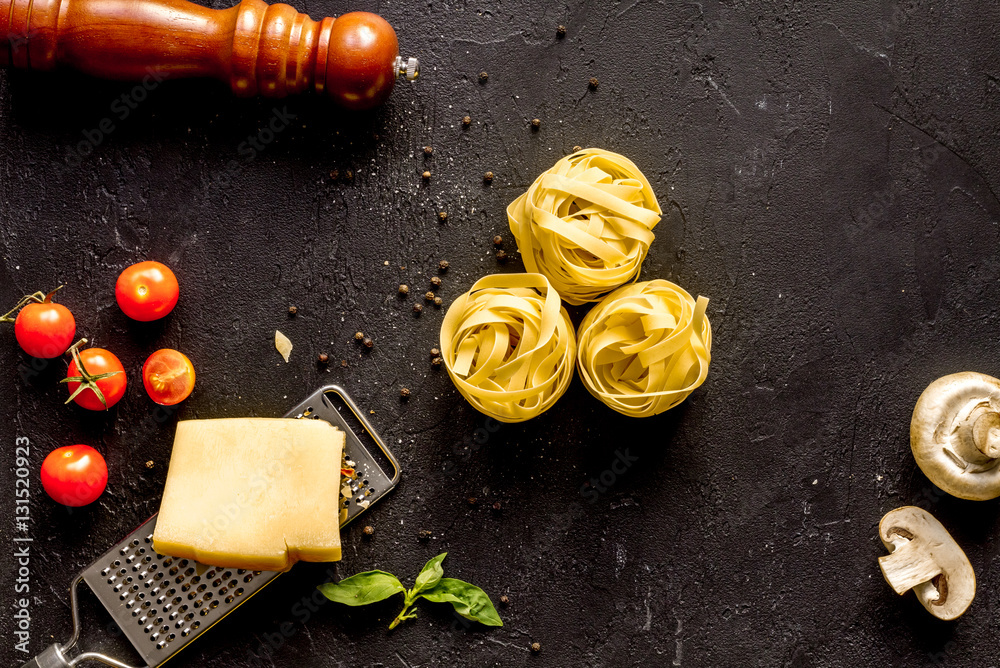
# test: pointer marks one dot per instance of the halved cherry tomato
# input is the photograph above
(147, 291)
(45, 329)
(168, 376)
(97, 362)
(74, 475)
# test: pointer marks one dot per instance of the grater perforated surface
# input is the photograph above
(161, 604)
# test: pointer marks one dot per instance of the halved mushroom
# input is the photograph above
(925, 558)
(955, 435)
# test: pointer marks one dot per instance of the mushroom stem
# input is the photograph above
(907, 566)
(986, 434)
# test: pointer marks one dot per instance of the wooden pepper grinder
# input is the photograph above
(259, 49)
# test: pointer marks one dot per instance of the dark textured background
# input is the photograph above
(828, 172)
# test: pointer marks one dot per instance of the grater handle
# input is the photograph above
(51, 657)
(54, 656)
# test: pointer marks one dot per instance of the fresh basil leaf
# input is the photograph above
(430, 575)
(468, 600)
(363, 588)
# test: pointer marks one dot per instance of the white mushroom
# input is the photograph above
(955, 435)
(925, 558)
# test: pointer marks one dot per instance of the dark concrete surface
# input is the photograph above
(828, 172)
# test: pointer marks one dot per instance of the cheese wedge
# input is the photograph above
(253, 493)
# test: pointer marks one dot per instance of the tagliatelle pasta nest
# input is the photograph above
(586, 224)
(645, 347)
(509, 346)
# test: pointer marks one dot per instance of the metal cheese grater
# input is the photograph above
(161, 604)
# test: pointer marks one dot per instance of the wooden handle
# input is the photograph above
(259, 49)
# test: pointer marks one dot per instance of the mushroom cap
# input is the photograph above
(924, 557)
(951, 416)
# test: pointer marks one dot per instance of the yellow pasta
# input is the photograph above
(645, 348)
(509, 346)
(586, 224)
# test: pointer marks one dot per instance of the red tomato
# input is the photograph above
(74, 475)
(98, 361)
(168, 376)
(147, 291)
(45, 330)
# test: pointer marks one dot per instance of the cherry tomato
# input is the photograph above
(98, 361)
(147, 291)
(45, 330)
(74, 475)
(168, 376)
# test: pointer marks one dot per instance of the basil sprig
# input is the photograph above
(468, 600)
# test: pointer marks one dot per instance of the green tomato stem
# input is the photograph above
(86, 380)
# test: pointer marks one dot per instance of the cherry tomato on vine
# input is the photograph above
(147, 291)
(45, 329)
(74, 475)
(168, 376)
(101, 368)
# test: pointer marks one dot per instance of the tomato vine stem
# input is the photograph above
(87, 380)
(37, 297)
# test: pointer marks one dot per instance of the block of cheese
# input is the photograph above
(254, 493)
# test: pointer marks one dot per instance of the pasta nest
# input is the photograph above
(509, 346)
(645, 347)
(586, 224)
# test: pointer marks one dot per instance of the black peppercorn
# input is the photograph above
(496, 506)
(577, 148)
(536, 123)
(593, 83)
(334, 174)
(442, 216)
(428, 150)
(498, 240)
(466, 121)
(436, 281)
(323, 359)
(504, 600)
(501, 255)
(483, 76)
(429, 296)
(438, 301)
(426, 174)
(561, 31)
(536, 647)
(488, 177)
(292, 310)
(435, 352)
(368, 342)
(369, 530)
(404, 289)
(443, 265)
(437, 361)
(418, 308)
(404, 393)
